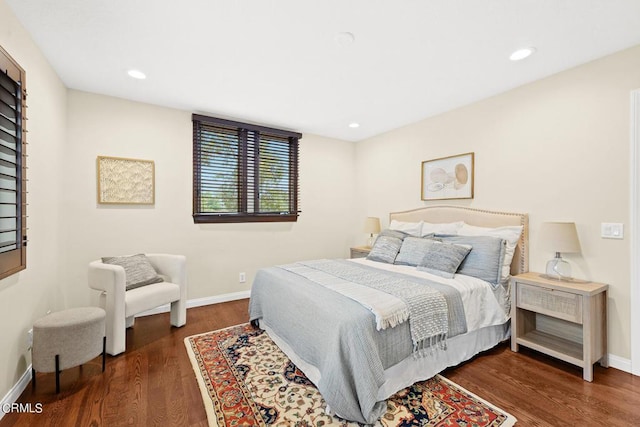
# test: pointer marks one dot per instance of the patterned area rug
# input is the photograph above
(246, 380)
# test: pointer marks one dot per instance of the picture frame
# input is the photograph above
(448, 178)
(123, 181)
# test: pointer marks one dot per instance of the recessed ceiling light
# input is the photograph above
(354, 125)
(344, 39)
(137, 74)
(522, 53)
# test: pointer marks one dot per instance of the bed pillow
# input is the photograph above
(443, 259)
(441, 228)
(413, 250)
(485, 259)
(511, 234)
(411, 228)
(138, 270)
(387, 246)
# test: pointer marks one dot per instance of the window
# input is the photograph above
(13, 226)
(243, 173)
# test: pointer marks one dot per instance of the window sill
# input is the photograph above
(237, 218)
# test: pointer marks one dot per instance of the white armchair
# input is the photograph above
(122, 305)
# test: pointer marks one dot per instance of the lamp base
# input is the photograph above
(558, 269)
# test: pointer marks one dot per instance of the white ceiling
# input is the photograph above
(277, 62)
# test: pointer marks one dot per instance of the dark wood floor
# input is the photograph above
(153, 383)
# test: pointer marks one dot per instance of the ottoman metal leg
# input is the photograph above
(57, 373)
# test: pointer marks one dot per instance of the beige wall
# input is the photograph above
(28, 295)
(216, 253)
(557, 149)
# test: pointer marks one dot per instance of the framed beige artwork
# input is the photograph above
(123, 181)
(448, 178)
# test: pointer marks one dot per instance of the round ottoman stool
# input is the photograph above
(67, 338)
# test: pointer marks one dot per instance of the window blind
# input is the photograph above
(243, 172)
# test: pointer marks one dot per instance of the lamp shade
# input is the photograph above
(372, 225)
(559, 237)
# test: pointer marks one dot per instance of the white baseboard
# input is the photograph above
(620, 363)
(15, 391)
(199, 302)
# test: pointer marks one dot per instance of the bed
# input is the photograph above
(359, 353)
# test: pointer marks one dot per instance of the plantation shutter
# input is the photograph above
(13, 239)
(243, 173)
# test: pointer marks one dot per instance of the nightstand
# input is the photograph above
(360, 251)
(563, 319)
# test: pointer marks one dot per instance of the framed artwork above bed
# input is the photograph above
(448, 177)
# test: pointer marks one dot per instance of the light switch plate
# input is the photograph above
(612, 230)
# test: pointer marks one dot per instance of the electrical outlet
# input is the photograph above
(29, 339)
(243, 277)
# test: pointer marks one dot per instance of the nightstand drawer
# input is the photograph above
(559, 304)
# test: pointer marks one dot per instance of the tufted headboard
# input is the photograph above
(477, 217)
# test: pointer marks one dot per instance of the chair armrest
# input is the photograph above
(111, 280)
(174, 266)
(107, 277)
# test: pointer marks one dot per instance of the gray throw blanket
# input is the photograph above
(338, 336)
(425, 307)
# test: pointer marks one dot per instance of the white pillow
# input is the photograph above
(511, 234)
(441, 228)
(411, 228)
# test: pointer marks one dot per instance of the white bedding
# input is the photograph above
(412, 369)
(481, 306)
(487, 316)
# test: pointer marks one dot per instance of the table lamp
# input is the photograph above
(372, 226)
(559, 237)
